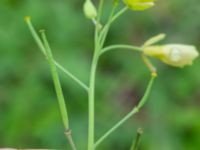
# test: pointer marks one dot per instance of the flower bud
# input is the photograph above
(154, 39)
(177, 55)
(89, 9)
(139, 5)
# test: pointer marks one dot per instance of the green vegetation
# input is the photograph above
(29, 111)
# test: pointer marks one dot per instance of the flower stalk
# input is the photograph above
(135, 144)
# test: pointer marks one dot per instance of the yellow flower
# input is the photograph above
(139, 4)
(177, 55)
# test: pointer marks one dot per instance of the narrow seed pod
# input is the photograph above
(89, 9)
(177, 55)
(139, 5)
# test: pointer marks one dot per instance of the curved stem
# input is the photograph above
(120, 46)
(130, 114)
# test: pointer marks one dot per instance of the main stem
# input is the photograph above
(91, 91)
(91, 97)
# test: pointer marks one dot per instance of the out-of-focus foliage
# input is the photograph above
(29, 115)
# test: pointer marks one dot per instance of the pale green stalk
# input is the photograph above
(42, 48)
(120, 46)
(98, 23)
(57, 84)
(112, 18)
(91, 92)
(135, 144)
(71, 75)
(130, 114)
(100, 10)
(35, 35)
(58, 88)
(99, 41)
(121, 12)
(91, 97)
(104, 32)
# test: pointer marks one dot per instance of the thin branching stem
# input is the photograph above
(71, 76)
(117, 15)
(130, 114)
(100, 9)
(104, 32)
(100, 38)
(112, 18)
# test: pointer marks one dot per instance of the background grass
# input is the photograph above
(29, 115)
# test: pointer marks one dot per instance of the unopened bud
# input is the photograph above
(89, 9)
(177, 55)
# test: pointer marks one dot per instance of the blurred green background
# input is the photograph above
(29, 115)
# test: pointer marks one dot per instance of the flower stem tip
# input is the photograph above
(27, 18)
(154, 74)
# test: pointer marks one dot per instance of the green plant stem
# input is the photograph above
(91, 91)
(35, 35)
(68, 134)
(104, 32)
(120, 46)
(121, 12)
(71, 76)
(99, 42)
(137, 141)
(42, 48)
(112, 18)
(91, 97)
(98, 23)
(130, 114)
(58, 88)
(100, 8)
